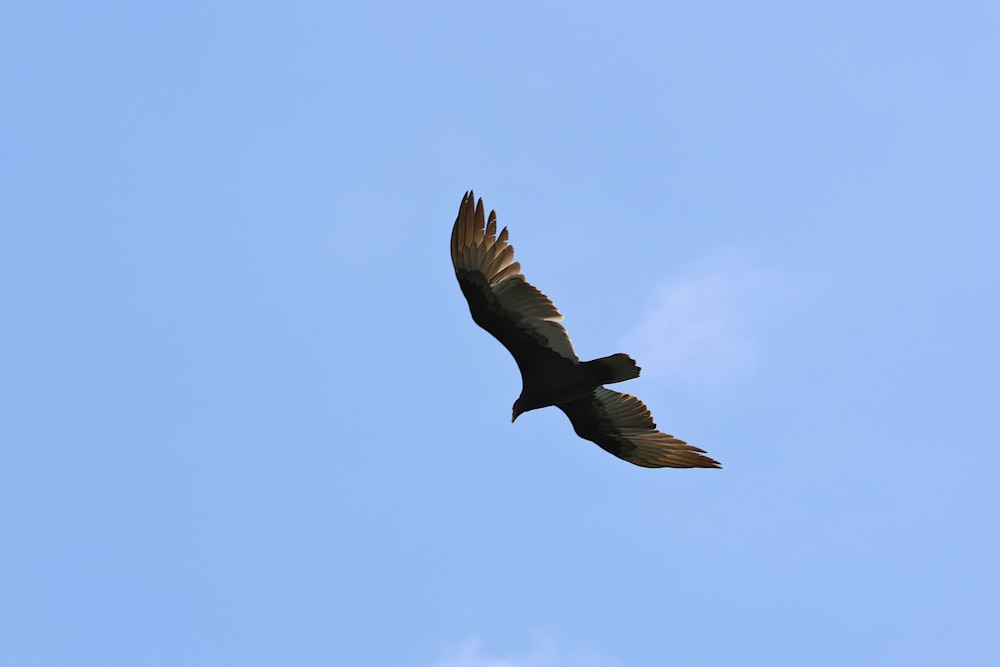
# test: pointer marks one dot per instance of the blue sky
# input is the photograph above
(245, 418)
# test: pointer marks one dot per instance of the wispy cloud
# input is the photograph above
(703, 324)
(544, 654)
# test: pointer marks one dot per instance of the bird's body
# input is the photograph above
(527, 323)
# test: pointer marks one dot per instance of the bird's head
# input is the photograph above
(517, 410)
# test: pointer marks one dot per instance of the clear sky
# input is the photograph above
(246, 419)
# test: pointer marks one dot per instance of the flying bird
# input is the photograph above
(527, 323)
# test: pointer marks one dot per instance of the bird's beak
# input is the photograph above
(513, 416)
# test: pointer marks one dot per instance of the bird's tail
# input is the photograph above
(606, 370)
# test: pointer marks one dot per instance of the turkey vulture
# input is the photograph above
(527, 323)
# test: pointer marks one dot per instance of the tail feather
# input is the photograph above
(614, 368)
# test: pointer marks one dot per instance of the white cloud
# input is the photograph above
(544, 654)
(703, 325)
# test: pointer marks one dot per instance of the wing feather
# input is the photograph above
(500, 299)
(622, 425)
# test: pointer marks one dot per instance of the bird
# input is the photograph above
(527, 323)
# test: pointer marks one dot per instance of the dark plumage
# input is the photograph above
(527, 323)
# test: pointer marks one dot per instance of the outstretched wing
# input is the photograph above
(621, 424)
(500, 300)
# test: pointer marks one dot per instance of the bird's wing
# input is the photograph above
(621, 424)
(500, 300)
